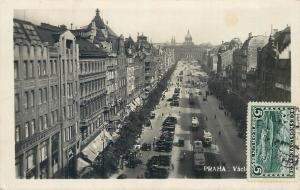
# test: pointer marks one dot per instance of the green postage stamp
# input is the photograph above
(271, 140)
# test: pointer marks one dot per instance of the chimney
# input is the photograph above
(250, 34)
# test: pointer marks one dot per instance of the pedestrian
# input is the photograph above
(215, 116)
(172, 166)
(219, 133)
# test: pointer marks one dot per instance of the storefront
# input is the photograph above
(30, 164)
(71, 165)
(43, 160)
(55, 153)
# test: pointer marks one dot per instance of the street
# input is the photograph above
(225, 158)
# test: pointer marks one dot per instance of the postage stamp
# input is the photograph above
(271, 140)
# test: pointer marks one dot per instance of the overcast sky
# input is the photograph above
(208, 21)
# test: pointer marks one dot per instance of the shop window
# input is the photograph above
(30, 160)
(43, 151)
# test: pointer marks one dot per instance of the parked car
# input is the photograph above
(169, 99)
(204, 98)
(147, 123)
(146, 147)
(152, 115)
(171, 119)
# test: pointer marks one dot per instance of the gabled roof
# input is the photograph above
(111, 32)
(283, 38)
(48, 35)
(24, 30)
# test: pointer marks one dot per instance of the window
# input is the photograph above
(43, 151)
(56, 91)
(32, 99)
(75, 87)
(44, 67)
(51, 67)
(39, 68)
(17, 102)
(51, 93)
(30, 160)
(64, 89)
(55, 67)
(65, 112)
(26, 129)
(68, 89)
(40, 96)
(31, 69)
(26, 69)
(18, 135)
(69, 44)
(52, 118)
(41, 123)
(71, 65)
(68, 66)
(56, 115)
(45, 94)
(63, 66)
(26, 100)
(32, 126)
(16, 69)
(45, 121)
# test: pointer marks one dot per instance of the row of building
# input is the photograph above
(258, 69)
(72, 86)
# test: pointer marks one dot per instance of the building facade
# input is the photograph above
(188, 50)
(92, 78)
(245, 63)
(274, 68)
(46, 99)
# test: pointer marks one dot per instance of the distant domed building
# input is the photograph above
(188, 50)
(188, 39)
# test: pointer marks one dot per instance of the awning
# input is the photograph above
(97, 145)
(139, 101)
(81, 164)
(131, 106)
(89, 154)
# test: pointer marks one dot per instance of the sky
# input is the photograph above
(211, 21)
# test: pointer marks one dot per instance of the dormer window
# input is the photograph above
(69, 44)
